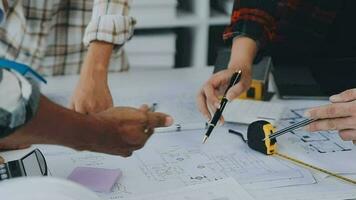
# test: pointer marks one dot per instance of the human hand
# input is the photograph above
(243, 52)
(340, 115)
(124, 129)
(208, 97)
(92, 94)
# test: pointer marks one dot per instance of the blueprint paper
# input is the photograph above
(227, 189)
(248, 111)
(324, 149)
(176, 160)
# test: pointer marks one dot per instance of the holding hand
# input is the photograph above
(124, 130)
(118, 131)
(242, 55)
(92, 94)
(208, 97)
(340, 115)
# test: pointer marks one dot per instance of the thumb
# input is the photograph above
(156, 119)
(71, 105)
(2, 160)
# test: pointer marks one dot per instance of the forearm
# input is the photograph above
(92, 93)
(243, 53)
(56, 125)
(98, 57)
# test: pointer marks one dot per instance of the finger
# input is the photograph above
(81, 109)
(348, 135)
(332, 124)
(212, 109)
(71, 105)
(156, 119)
(221, 79)
(125, 154)
(2, 160)
(144, 108)
(148, 132)
(128, 154)
(92, 109)
(111, 103)
(235, 91)
(211, 97)
(334, 110)
(222, 120)
(202, 106)
(138, 138)
(346, 96)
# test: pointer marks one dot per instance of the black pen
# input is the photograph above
(234, 80)
(153, 107)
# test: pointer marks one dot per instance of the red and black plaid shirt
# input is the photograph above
(302, 27)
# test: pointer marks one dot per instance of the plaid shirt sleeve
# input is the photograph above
(110, 22)
(254, 19)
(18, 103)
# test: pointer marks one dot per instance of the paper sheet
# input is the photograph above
(248, 111)
(227, 189)
(324, 149)
(181, 107)
(325, 189)
(176, 160)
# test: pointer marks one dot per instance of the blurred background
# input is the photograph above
(182, 33)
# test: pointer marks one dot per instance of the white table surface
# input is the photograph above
(136, 83)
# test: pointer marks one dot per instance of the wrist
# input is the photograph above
(238, 65)
(81, 132)
(99, 132)
(87, 134)
(98, 57)
(93, 74)
(243, 53)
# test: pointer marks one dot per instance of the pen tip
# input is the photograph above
(205, 139)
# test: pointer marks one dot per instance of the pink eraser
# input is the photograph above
(96, 179)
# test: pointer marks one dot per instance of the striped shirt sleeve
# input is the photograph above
(254, 19)
(18, 103)
(110, 22)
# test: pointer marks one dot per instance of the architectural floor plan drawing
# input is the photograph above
(192, 166)
(226, 189)
(176, 160)
(319, 142)
(324, 149)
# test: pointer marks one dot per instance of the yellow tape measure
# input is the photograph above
(259, 130)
